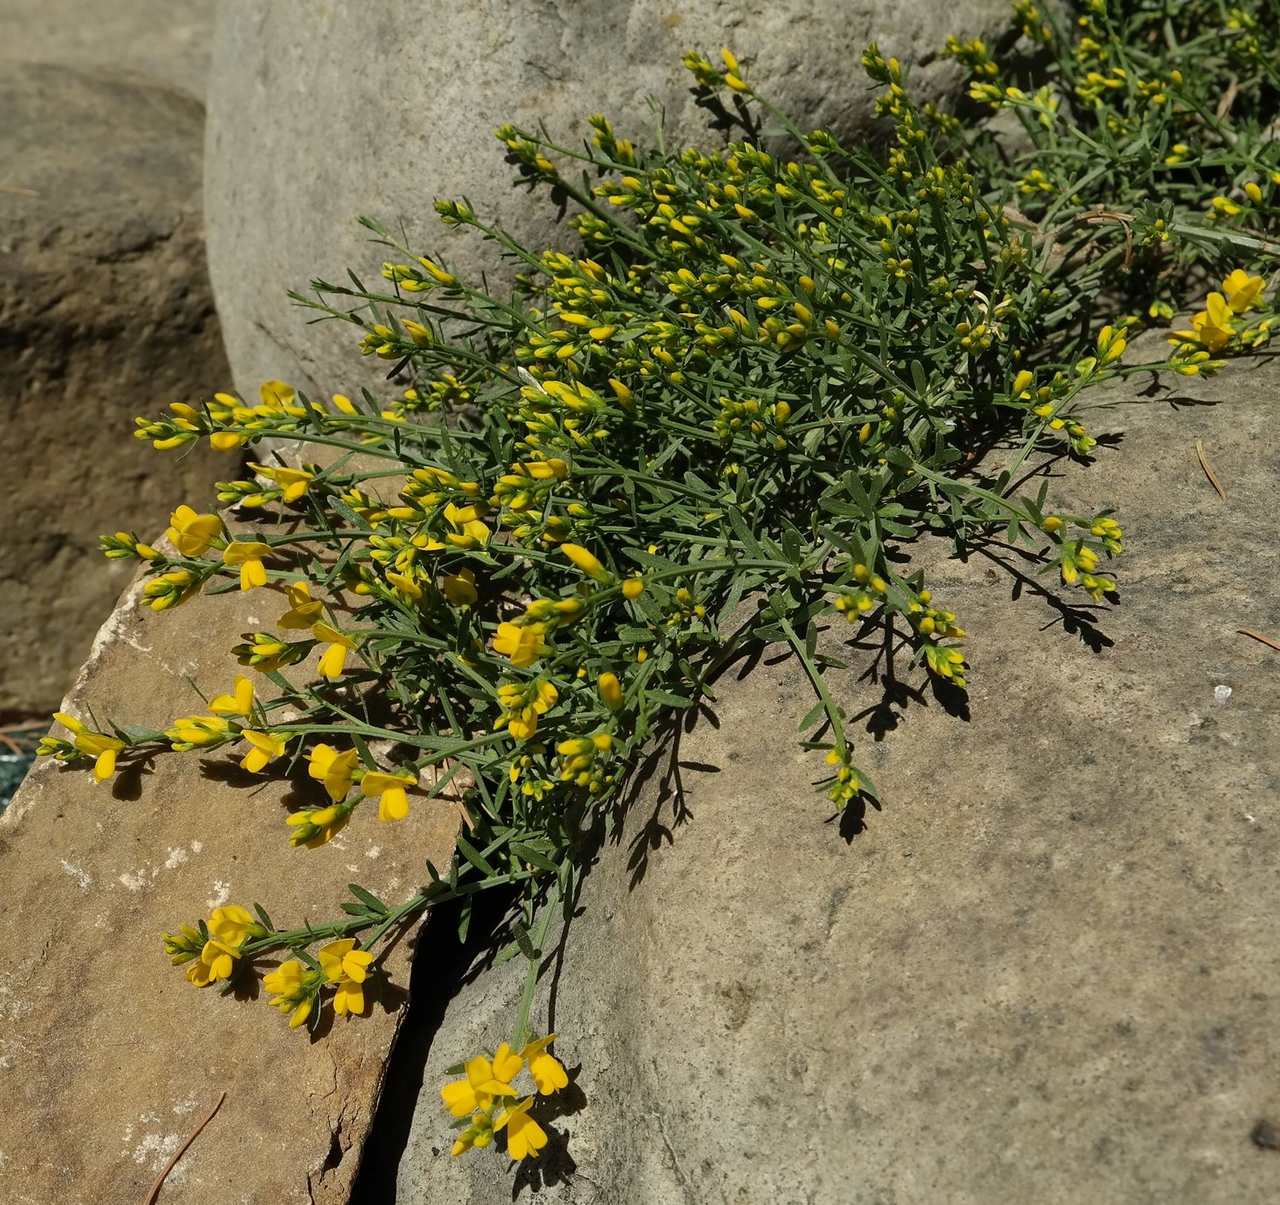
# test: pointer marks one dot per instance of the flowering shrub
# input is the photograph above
(705, 430)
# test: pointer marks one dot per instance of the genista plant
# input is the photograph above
(708, 427)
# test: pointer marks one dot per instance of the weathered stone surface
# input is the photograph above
(411, 95)
(105, 313)
(157, 39)
(108, 1056)
(1046, 971)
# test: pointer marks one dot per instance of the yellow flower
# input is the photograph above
(1242, 290)
(266, 748)
(405, 586)
(525, 1137)
(946, 661)
(332, 768)
(239, 702)
(460, 588)
(389, 791)
(582, 760)
(1111, 344)
(587, 562)
(248, 555)
(523, 705)
(293, 988)
(197, 732)
(547, 1070)
(303, 609)
(191, 533)
(98, 745)
(633, 587)
(468, 530)
(610, 690)
(216, 961)
(1212, 325)
(348, 967)
(184, 945)
(277, 395)
(334, 658)
(314, 827)
(231, 925)
(168, 589)
(485, 1080)
(293, 482)
(523, 643)
(266, 652)
(478, 1134)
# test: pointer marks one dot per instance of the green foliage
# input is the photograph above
(770, 370)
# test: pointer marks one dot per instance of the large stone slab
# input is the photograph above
(157, 39)
(412, 93)
(105, 313)
(108, 1056)
(1046, 971)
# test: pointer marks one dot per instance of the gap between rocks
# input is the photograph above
(442, 967)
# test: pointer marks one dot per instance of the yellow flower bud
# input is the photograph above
(610, 691)
(586, 561)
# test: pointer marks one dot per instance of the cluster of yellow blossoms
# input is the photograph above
(1220, 325)
(486, 1103)
(214, 950)
(297, 988)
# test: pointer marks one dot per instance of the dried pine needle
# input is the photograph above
(1208, 471)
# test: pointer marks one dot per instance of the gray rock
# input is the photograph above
(377, 109)
(1046, 971)
(157, 39)
(105, 313)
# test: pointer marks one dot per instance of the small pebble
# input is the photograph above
(1221, 694)
(1266, 1136)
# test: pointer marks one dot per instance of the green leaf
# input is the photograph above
(474, 856)
(529, 854)
(368, 899)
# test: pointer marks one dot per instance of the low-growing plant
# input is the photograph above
(768, 369)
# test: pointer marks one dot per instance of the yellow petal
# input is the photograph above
(356, 965)
(105, 766)
(252, 573)
(333, 661)
(349, 999)
(1218, 310)
(393, 804)
(330, 957)
(548, 1073)
(375, 782)
(459, 1097)
(506, 1064)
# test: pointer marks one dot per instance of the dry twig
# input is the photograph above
(1208, 472)
(182, 1150)
(1258, 636)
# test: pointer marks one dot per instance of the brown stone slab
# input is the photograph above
(105, 313)
(109, 1058)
